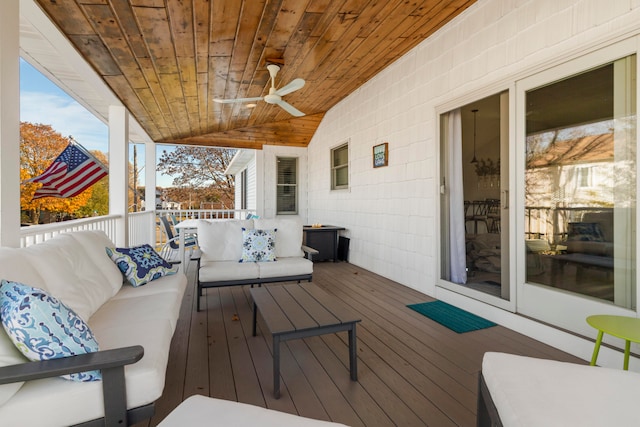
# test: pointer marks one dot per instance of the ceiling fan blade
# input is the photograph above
(292, 86)
(290, 108)
(231, 101)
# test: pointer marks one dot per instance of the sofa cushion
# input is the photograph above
(200, 410)
(9, 355)
(258, 245)
(98, 266)
(291, 266)
(17, 265)
(537, 392)
(43, 328)
(216, 271)
(174, 283)
(144, 381)
(140, 264)
(119, 312)
(222, 240)
(288, 237)
(56, 261)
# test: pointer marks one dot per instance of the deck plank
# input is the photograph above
(411, 371)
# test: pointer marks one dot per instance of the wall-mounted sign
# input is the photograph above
(381, 155)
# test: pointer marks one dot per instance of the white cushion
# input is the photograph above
(16, 265)
(288, 236)
(174, 283)
(200, 411)
(129, 311)
(61, 402)
(58, 261)
(538, 392)
(94, 243)
(9, 355)
(222, 240)
(292, 266)
(215, 271)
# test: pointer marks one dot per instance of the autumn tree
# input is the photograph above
(98, 203)
(201, 169)
(39, 146)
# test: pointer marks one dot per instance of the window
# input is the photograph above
(287, 187)
(583, 177)
(340, 167)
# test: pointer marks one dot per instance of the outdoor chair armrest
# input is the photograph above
(309, 252)
(111, 363)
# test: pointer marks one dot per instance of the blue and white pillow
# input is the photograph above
(43, 328)
(258, 245)
(140, 264)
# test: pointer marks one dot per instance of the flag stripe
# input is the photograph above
(72, 172)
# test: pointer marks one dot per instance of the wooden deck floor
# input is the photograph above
(411, 370)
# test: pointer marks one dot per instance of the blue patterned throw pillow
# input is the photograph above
(43, 328)
(140, 264)
(258, 245)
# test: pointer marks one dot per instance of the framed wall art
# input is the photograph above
(381, 155)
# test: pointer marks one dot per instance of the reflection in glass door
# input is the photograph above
(580, 184)
(474, 237)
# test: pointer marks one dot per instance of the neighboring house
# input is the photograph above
(272, 181)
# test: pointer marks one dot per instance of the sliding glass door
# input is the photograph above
(474, 199)
(577, 136)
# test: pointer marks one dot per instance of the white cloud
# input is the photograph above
(66, 116)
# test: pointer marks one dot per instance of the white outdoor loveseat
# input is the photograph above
(221, 245)
(519, 391)
(130, 324)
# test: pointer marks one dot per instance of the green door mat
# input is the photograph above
(452, 317)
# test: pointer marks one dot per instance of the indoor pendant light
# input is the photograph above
(474, 160)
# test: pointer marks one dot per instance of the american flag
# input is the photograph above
(72, 172)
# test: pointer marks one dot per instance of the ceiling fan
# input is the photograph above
(275, 95)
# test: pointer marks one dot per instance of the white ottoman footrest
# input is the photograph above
(200, 410)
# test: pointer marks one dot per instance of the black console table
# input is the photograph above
(324, 239)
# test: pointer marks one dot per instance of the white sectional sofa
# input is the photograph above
(221, 244)
(139, 322)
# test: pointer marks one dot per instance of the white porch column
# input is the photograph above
(119, 171)
(9, 124)
(150, 181)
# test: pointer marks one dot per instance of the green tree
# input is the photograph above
(200, 168)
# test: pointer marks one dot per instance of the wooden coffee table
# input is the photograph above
(301, 311)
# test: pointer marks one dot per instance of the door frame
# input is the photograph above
(507, 197)
(551, 305)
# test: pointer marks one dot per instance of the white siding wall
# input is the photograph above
(270, 153)
(391, 213)
(251, 185)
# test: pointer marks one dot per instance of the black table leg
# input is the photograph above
(353, 353)
(276, 366)
(255, 315)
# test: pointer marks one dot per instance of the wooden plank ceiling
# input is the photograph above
(167, 59)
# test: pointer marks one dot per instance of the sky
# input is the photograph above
(41, 101)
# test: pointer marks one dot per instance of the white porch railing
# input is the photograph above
(181, 215)
(39, 233)
(177, 215)
(141, 225)
(141, 228)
